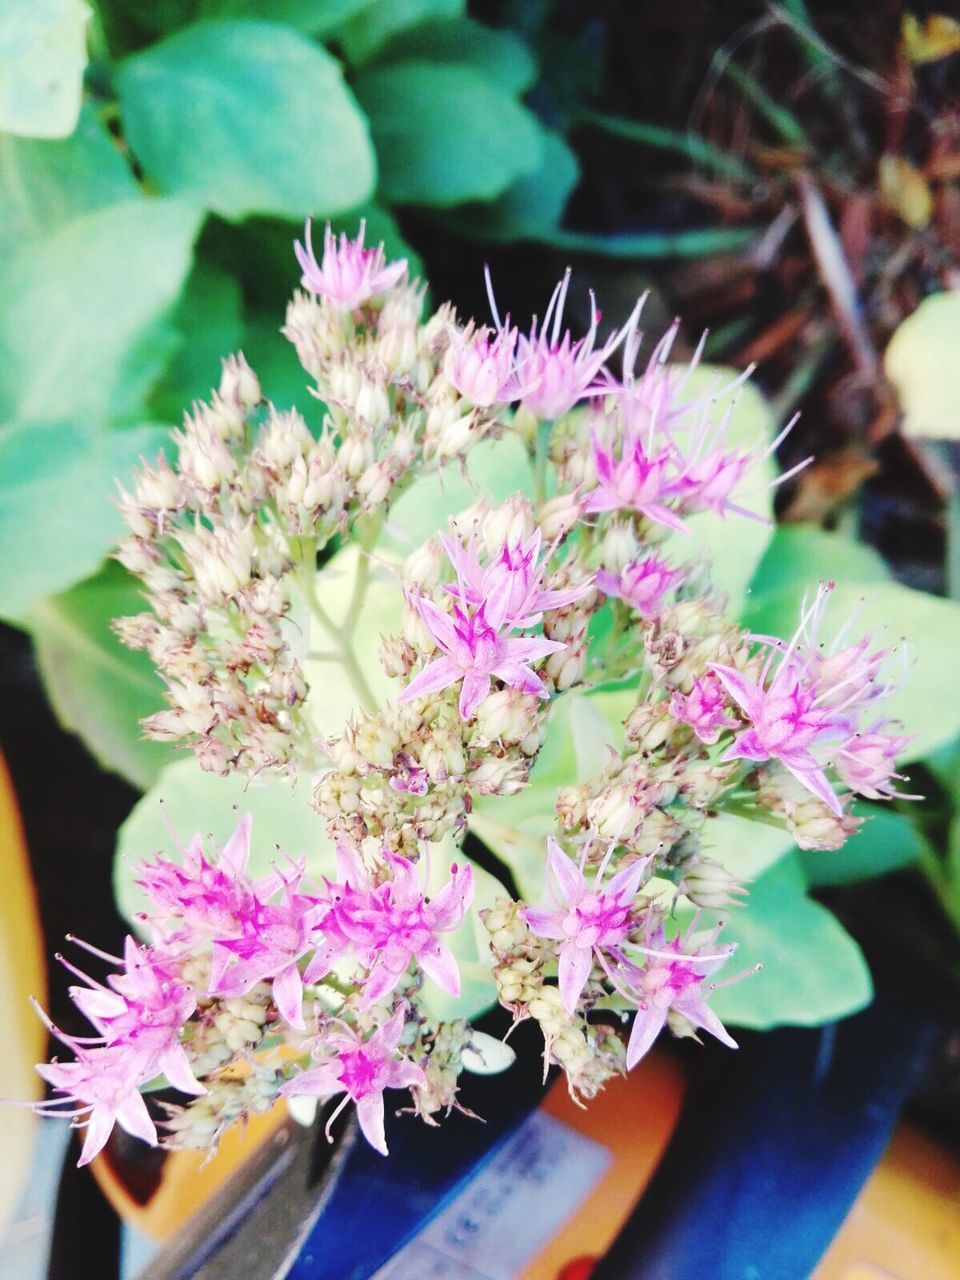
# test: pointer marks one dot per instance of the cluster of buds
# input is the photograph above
(249, 990)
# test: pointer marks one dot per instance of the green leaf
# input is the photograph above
(42, 57)
(813, 971)
(919, 363)
(799, 555)
(100, 689)
(381, 20)
(184, 800)
(888, 841)
(533, 207)
(314, 17)
(79, 312)
(746, 848)
(44, 184)
(734, 545)
(411, 106)
(58, 517)
(889, 613)
(209, 319)
(501, 55)
(495, 469)
(247, 117)
(333, 696)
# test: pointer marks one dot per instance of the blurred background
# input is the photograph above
(783, 175)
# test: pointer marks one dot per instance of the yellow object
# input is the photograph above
(189, 1178)
(905, 1224)
(930, 40)
(633, 1117)
(22, 974)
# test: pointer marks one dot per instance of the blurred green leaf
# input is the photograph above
(42, 56)
(79, 312)
(747, 849)
(470, 943)
(247, 117)
(100, 689)
(889, 613)
(315, 17)
(813, 971)
(381, 20)
(531, 208)
(501, 55)
(422, 159)
(887, 841)
(58, 517)
(657, 244)
(799, 555)
(210, 322)
(919, 363)
(44, 184)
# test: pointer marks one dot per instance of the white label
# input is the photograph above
(507, 1213)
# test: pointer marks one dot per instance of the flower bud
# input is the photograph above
(559, 515)
(238, 383)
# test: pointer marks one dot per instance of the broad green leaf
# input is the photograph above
(282, 377)
(422, 161)
(381, 20)
(58, 517)
(734, 545)
(315, 17)
(813, 971)
(919, 361)
(495, 469)
(801, 556)
(45, 183)
(334, 696)
(100, 689)
(747, 849)
(80, 309)
(501, 55)
(531, 208)
(42, 57)
(888, 841)
(247, 117)
(184, 801)
(209, 319)
(927, 626)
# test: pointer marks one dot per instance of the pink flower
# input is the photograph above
(552, 371)
(638, 481)
(866, 763)
(349, 274)
(272, 938)
(104, 1085)
(210, 899)
(806, 703)
(588, 920)
(510, 585)
(142, 1012)
(672, 979)
(483, 370)
(474, 652)
(704, 709)
(394, 924)
(361, 1070)
(642, 584)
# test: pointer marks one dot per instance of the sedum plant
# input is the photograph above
(282, 585)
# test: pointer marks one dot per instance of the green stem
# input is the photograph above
(341, 636)
(779, 118)
(953, 542)
(691, 145)
(540, 459)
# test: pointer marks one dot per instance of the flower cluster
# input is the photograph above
(320, 978)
